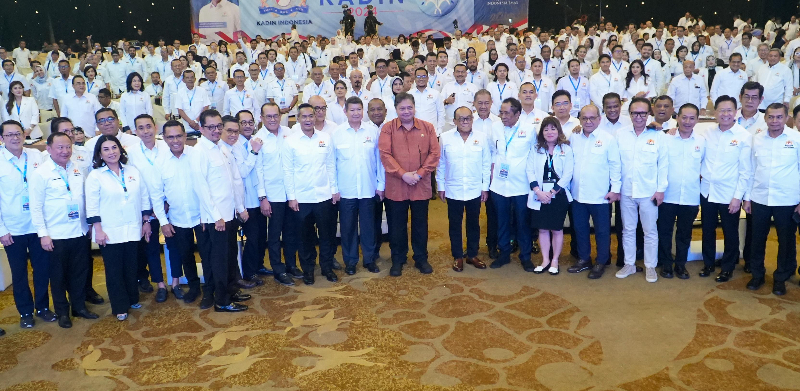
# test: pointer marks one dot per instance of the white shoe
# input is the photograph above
(650, 274)
(538, 269)
(626, 271)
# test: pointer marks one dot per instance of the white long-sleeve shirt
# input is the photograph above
(464, 96)
(544, 91)
(270, 165)
(246, 164)
(429, 106)
(685, 159)
(359, 171)
(464, 166)
(597, 167)
(236, 101)
(776, 169)
(777, 82)
(501, 92)
(726, 82)
(727, 170)
(192, 102)
(309, 167)
(216, 94)
(133, 104)
(510, 147)
(645, 162)
(216, 181)
(684, 90)
(117, 202)
(81, 111)
(58, 207)
(15, 214)
(172, 184)
(601, 84)
(578, 90)
(172, 85)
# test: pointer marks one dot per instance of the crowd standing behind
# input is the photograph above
(543, 128)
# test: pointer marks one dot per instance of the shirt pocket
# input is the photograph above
(344, 152)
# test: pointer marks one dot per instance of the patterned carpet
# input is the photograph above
(477, 330)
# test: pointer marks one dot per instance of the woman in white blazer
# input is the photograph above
(134, 102)
(117, 204)
(549, 170)
(22, 109)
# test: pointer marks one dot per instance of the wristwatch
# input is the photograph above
(254, 152)
(261, 199)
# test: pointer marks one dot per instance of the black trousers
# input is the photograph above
(219, 271)
(748, 237)
(322, 215)
(181, 254)
(282, 224)
(233, 248)
(680, 217)
(29, 247)
(120, 262)
(150, 256)
(787, 247)
(709, 213)
(455, 214)
(491, 223)
(69, 270)
(356, 225)
(380, 206)
(255, 231)
(398, 230)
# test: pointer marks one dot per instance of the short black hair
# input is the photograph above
(689, 106)
(560, 93)
(143, 116)
(172, 123)
(772, 106)
(307, 106)
(752, 85)
(10, 123)
(403, 96)
(516, 106)
(97, 161)
(58, 121)
(208, 114)
(104, 91)
(639, 99)
(725, 98)
(353, 100)
(239, 115)
(53, 136)
(106, 109)
(611, 95)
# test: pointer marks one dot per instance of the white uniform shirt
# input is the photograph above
(728, 83)
(41, 91)
(133, 104)
(172, 85)
(6, 80)
(464, 166)
(236, 101)
(518, 77)
(777, 82)
(484, 125)
(601, 84)
(645, 162)
(510, 148)
(170, 185)
(748, 53)
(216, 94)
(309, 168)
(429, 106)
(597, 167)
(60, 88)
(270, 164)
(324, 90)
(726, 169)
(464, 96)
(501, 92)
(22, 57)
(15, 173)
(217, 182)
(544, 91)
(192, 103)
(246, 164)
(578, 90)
(684, 90)
(116, 73)
(533, 118)
(282, 92)
(359, 171)
(117, 202)
(726, 48)
(81, 110)
(754, 125)
(776, 169)
(478, 78)
(379, 88)
(296, 71)
(335, 113)
(27, 113)
(685, 159)
(128, 142)
(57, 204)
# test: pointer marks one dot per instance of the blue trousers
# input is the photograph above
(357, 216)
(503, 207)
(600, 214)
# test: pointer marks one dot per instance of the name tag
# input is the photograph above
(504, 167)
(26, 202)
(73, 213)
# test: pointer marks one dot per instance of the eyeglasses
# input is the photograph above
(465, 119)
(214, 127)
(12, 135)
(278, 69)
(232, 131)
(750, 98)
(422, 76)
(639, 114)
(589, 119)
(247, 123)
(107, 120)
(272, 116)
(559, 104)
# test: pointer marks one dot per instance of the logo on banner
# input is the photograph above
(437, 8)
(283, 7)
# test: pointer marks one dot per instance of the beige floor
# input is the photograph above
(476, 330)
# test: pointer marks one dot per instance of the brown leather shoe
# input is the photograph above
(475, 261)
(458, 264)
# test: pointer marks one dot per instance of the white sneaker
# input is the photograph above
(626, 271)
(650, 274)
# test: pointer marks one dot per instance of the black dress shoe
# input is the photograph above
(724, 277)
(350, 270)
(396, 270)
(778, 288)
(498, 264)
(331, 276)
(207, 302)
(2, 332)
(232, 307)
(26, 321)
(64, 321)
(93, 297)
(681, 272)
(424, 267)
(667, 272)
(84, 313)
(244, 284)
(707, 271)
(493, 253)
(264, 272)
(178, 292)
(284, 279)
(372, 267)
(47, 315)
(294, 272)
(145, 286)
(161, 295)
(579, 266)
(239, 297)
(528, 266)
(535, 248)
(337, 265)
(746, 267)
(256, 279)
(597, 271)
(755, 283)
(308, 278)
(191, 296)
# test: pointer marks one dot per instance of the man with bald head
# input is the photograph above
(356, 86)
(688, 88)
(320, 110)
(596, 182)
(318, 87)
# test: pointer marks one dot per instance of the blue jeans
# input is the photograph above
(600, 214)
(503, 207)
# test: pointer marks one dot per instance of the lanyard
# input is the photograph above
(178, 81)
(90, 87)
(442, 71)
(333, 82)
(604, 77)
(539, 86)
(358, 94)
(501, 91)
(281, 84)
(24, 173)
(729, 43)
(658, 45)
(431, 84)
(381, 85)
(212, 90)
(546, 66)
(141, 145)
(244, 94)
(617, 67)
(472, 78)
(194, 92)
(516, 128)
(319, 90)
(66, 183)
(246, 144)
(647, 62)
(521, 76)
(681, 41)
(9, 79)
(574, 86)
(121, 179)
(694, 57)
(20, 118)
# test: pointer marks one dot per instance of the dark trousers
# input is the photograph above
(90, 260)
(618, 233)
(150, 256)
(357, 216)
(491, 222)
(787, 247)
(29, 247)
(69, 269)
(282, 223)
(455, 214)
(220, 272)
(233, 248)
(602, 231)
(380, 206)
(681, 218)
(748, 237)
(181, 254)
(398, 230)
(255, 230)
(709, 212)
(120, 262)
(503, 207)
(322, 215)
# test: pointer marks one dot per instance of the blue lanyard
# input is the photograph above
(319, 90)
(618, 68)
(381, 85)
(66, 183)
(431, 84)
(546, 66)
(574, 86)
(647, 62)
(508, 142)
(694, 57)
(281, 84)
(604, 77)
(194, 92)
(90, 87)
(442, 71)
(539, 86)
(243, 96)
(120, 179)
(333, 82)
(178, 81)
(19, 116)
(212, 90)
(472, 78)
(729, 43)
(9, 79)
(264, 73)
(141, 145)
(25, 173)
(521, 76)
(246, 144)
(501, 91)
